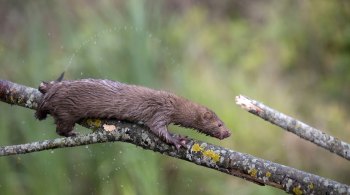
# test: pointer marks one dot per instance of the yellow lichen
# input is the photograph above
(311, 186)
(253, 172)
(268, 174)
(94, 122)
(297, 190)
(196, 148)
(212, 155)
(20, 100)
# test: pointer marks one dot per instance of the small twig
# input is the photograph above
(292, 125)
(241, 165)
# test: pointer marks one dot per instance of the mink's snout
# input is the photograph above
(224, 134)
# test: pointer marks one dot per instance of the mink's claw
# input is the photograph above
(178, 142)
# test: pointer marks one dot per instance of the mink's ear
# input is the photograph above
(207, 115)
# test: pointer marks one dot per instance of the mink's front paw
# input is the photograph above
(178, 141)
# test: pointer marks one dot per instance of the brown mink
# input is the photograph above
(72, 100)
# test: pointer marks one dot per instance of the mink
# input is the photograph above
(70, 101)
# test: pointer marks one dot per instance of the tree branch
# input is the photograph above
(292, 125)
(241, 165)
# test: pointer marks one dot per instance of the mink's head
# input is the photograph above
(191, 115)
(208, 122)
(45, 86)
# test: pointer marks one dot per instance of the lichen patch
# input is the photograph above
(94, 123)
(311, 186)
(211, 154)
(297, 190)
(253, 172)
(215, 157)
(289, 184)
(109, 127)
(268, 174)
(197, 148)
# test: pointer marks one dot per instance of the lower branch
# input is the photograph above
(301, 129)
(241, 165)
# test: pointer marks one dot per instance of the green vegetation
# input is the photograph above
(291, 55)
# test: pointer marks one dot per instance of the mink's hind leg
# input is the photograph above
(65, 128)
(163, 133)
(40, 114)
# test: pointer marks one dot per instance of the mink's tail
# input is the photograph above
(60, 78)
(45, 86)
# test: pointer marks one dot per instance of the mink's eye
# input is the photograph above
(219, 125)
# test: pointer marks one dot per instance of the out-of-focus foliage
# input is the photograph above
(292, 55)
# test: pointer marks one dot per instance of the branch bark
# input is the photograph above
(299, 128)
(234, 163)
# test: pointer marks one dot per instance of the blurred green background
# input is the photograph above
(292, 55)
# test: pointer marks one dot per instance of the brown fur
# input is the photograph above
(70, 101)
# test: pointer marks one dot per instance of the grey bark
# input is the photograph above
(292, 125)
(234, 163)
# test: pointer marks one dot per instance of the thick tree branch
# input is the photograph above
(241, 165)
(299, 128)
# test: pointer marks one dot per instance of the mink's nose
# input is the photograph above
(225, 134)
